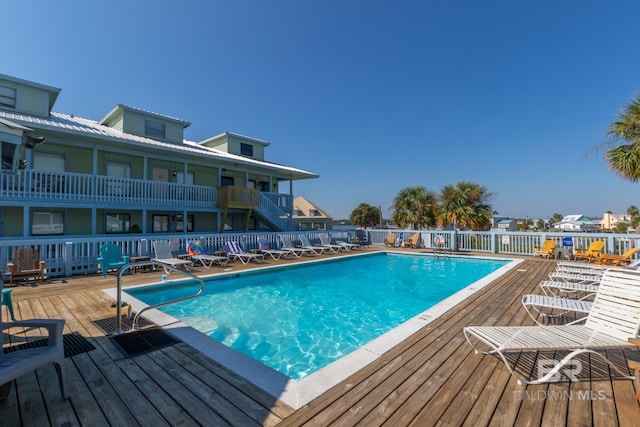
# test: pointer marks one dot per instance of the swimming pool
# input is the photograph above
(315, 323)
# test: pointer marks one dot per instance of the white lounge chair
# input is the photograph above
(348, 245)
(583, 280)
(236, 252)
(576, 277)
(197, 254)
(571, 266)
(535, 306)
(163, 255)
(305, 243)
(587, 268)
(613, 319)
(333, 247)
(297, 251)
(556, 288)
(19, 362)
(276, 254)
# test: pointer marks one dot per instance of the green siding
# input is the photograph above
(205, 222)
(29, 100)
(77, 221)
(80, 160)
(136, 163)
(205, 175)
(134, 123)
(234, 147)
(12, 217)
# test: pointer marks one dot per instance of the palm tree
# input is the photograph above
(624, 158)
(365, 215)
(466, 205)
(414, 207)
(555, 218)
(634, 213)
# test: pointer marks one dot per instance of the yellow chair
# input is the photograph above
(546, 250)
(414, 242)
(592, 252)
(614, 259)
(390, 240)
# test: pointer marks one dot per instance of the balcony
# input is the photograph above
(48, 188)
(42, 188)
(232, 197)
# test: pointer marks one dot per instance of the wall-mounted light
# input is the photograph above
(32, 141)
(174, 173)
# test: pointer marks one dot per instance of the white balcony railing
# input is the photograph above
(29, 185)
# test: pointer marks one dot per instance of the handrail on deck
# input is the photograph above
(136, 318)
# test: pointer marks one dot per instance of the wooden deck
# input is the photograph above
(432, 378)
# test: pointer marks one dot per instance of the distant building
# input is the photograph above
(310, 216)
(576, 223)
(501, 223)
(609, 221)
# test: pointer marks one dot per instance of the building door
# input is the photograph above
(160, 175)
(118, 187)
(48, 162)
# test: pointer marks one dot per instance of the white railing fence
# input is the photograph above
(74, 255)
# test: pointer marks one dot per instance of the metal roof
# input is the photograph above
(90, 128)
(124, 107)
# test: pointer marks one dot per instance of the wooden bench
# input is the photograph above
(26, 263)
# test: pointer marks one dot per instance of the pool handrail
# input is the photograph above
(136, 318)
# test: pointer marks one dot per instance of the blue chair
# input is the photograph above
(111, 258)
(6, 300)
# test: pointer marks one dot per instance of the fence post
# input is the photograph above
(144, 249)
(612, 246)
(68, 259)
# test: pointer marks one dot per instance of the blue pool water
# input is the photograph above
(299, 319)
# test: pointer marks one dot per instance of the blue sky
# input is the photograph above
(374, 96)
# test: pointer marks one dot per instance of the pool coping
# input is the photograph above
(297, 393)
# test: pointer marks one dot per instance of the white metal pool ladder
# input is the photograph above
(136, 318)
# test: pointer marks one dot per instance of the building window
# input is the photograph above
(180, 223)
(189, 178)
(314, 212)
(226, 180)
(118, 187)
(117, 223)
(7, 97)
(160, 224)
(154, 129)
(47, 223)
(246, 149)
(297, 212)
(10, 155)
(51, 162)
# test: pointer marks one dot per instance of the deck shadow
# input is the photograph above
(74, 344)
(584, 368)
(147, 338)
